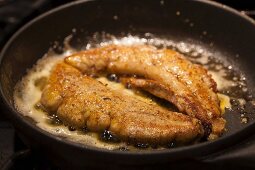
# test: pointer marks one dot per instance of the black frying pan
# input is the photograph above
(232, 34)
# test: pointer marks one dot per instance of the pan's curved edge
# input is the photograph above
(189, 150)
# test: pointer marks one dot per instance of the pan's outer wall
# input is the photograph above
(231, 33)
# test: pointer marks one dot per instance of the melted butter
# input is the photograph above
(26, 94)
(224, 102)
(25, 102)
(222, 82)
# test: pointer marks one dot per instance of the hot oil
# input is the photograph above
(232, 87)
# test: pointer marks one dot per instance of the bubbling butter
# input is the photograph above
(27, 94)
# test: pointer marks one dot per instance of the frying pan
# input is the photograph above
(232, 34)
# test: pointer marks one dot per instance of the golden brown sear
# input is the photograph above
(81, 101)
(164, 73)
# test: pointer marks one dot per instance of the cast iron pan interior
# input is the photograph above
(231, 33)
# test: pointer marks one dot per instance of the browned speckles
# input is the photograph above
(151, 64)
(88, 103)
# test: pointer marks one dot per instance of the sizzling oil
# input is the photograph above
(231, 85)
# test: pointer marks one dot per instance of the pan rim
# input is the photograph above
(184, 149)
